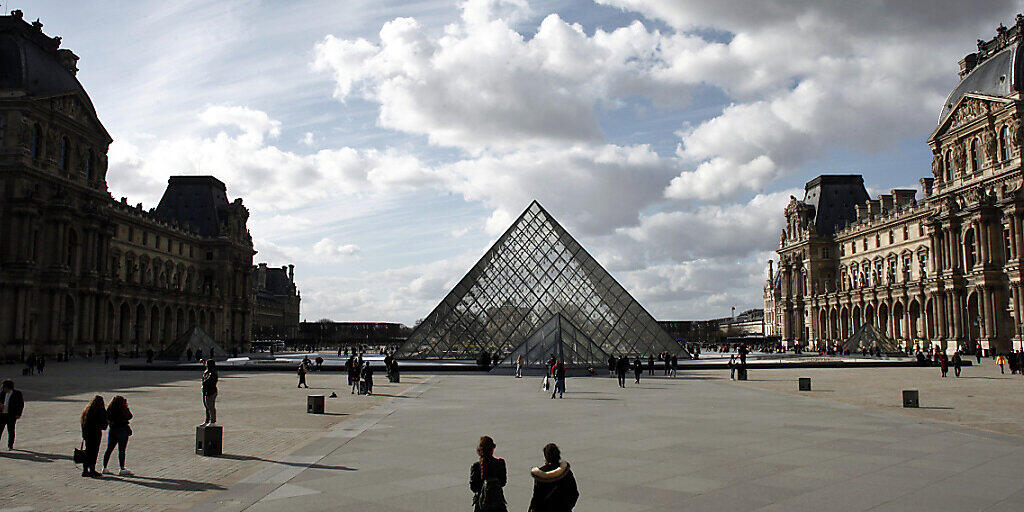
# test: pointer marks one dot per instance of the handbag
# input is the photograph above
(79, 455)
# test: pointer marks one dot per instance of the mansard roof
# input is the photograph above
(196, 201)
(996, 69)
(33, 64)
(835, 198)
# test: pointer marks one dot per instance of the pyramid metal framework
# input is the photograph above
(533, 272)
(559, 337)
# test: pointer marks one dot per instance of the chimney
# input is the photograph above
(968, 63)
(926, 186)
(904, 197)
(887, 203)
(771, 272)
(862, 212)
(291, 273)
(69, 60)
(874, 207)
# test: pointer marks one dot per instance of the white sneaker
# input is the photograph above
(125, 472)
(107, 471)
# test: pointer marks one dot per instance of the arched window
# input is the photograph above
(65, 153)
(89, 157)
(1004, 143)
(37, 142)
(949, 165)
(969, 250)
(975, 160)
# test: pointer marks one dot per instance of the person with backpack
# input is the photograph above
(554, 486)
(558, 371)
(487, 478)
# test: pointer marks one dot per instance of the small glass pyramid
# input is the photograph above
(534, 272)
(557, 337)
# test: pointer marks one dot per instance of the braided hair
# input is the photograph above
(485, 449)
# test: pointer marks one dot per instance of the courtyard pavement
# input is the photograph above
(697, 442)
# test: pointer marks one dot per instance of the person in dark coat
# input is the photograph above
(367, 376)
(675, 365)
(94, 422)
(943, 364)
(118, 415)
(558, 370)
(650, 364)
(302, 375)
(554, 486)
(488, 469)
(611, 366)
(957, 361)
(210, 378)
(638, 369)
(621, 369)
(12, 404)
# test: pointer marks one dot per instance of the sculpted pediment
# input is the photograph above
(73, 106)
(969, 108)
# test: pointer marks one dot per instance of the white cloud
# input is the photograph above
(327, 248)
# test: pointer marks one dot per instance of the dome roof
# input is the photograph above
(32, 64)
(998, 75)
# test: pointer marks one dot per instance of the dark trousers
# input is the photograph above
(7, 421)
(92, 449)
(637, 375)
(956, 370)
(302, 381)
(116, 437)
(622, 380)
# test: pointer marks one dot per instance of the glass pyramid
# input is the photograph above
(560, 338)
(534, 271)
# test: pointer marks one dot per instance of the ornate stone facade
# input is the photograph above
(943, 272)
(276, 303)
(79, 270)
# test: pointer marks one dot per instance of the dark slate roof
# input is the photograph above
(194, 201)
(998, 75)
(278, 282)
(30, 62)
(835, 198)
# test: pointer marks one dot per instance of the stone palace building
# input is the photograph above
(940, 271)
(80, 270)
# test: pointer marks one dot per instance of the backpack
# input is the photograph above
(490, 498)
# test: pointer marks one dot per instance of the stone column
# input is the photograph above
(940, 314)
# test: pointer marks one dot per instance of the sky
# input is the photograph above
(382, 146)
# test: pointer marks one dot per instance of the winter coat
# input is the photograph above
(554, 488)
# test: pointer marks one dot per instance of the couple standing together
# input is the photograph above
(554, 486)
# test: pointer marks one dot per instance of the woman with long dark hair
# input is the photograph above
(118, 415)
(487, 479)
(94, 421)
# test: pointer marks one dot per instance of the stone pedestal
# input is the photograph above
(910, 398)
(208, 440)
(741, 374)
(805, 383)
(315, 404)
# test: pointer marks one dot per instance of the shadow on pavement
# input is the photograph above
(296, 464)
(168, 484)
(32, 456)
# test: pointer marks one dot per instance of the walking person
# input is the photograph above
(558, 370)
(210, 392)
(943, 364)
(650, 364)
(554, 486)
(118, 415)
(732, 367)
(40, 364)
(638, 369)
(621, 369)
(977, 352)
(302, 375)
(957, 361)
(1000, 360)
(368, 378)
(12, 404)
(94, 422)
(355, 368)
(675, 365)
(519, 366)
(487, 478)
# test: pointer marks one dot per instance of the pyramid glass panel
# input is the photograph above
(536, 273)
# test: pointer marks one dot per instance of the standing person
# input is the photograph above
(732, 367)
(638, 369)
(353, 373)
(188, 355)
(519, 366)
(199, 355)
(118, 415)
(1000, 360)
(558, 370)
(487, 478)
(675, 365)
(551, 364)
(956, 363)
(12, 404)
(743, 354)
(611, 365)
(621, 369)
(210, 392)
(302, 375)
(977, 352)
(368, 377)
(650, 364)
(94, 422)
(554, 486)
(943, 364)
(40, 363)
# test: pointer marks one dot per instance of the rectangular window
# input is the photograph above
(853, 247)
(1007, 251)
(824, 252)
(878, 240)
(906, 232)
(892, 239)
(145, 237)
(920, 229)
(865, 244)
(131, 233)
